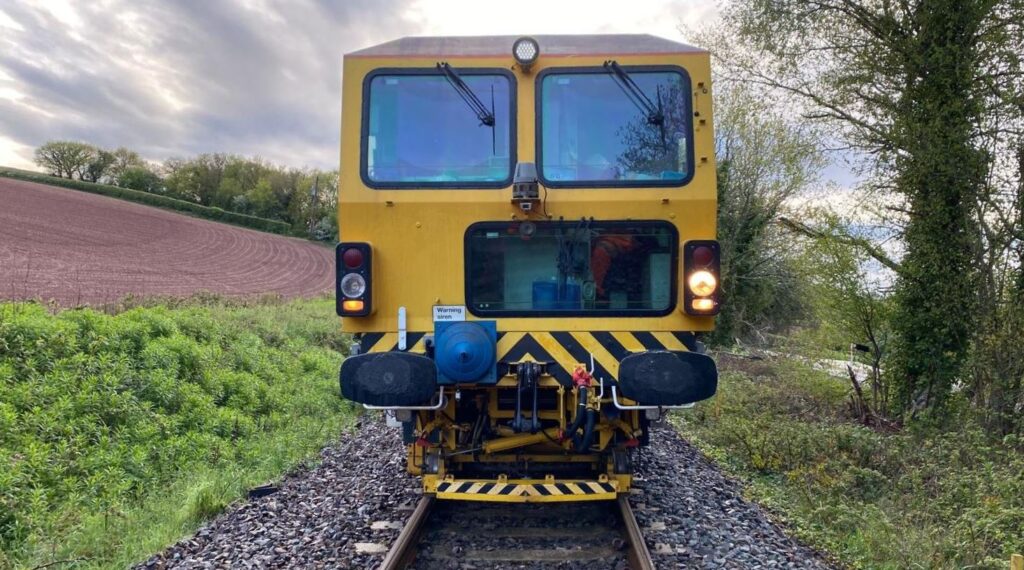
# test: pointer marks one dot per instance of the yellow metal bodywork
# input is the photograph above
(417, 238)
(398, 222)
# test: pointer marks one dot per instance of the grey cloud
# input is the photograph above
(261, 80)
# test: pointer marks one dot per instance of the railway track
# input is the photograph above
(449, 534)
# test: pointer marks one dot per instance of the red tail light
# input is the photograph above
(701, 277)
(354, 279)
(353, 258)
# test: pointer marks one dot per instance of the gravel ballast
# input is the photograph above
(344, 513)
(693, 516)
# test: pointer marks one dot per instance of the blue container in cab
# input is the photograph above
(545, 295)
(569, 300)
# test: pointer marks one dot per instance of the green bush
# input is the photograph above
(120, 433)
(922, 497)
(210, 213)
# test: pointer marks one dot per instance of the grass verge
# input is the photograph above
(166, 202)
(120, 433)
(925, 497)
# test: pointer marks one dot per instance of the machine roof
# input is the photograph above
(486, 46)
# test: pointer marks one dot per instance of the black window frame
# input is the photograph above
(364, 130)
(504, 313)
(600, 70)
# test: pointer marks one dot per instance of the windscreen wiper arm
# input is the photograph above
(485, 115)
(654, 114)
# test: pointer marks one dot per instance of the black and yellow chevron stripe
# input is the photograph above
(484, 490)
(564, 349)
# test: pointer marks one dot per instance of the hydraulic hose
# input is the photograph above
(588, 432)
(581, 411)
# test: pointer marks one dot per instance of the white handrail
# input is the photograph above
(621, 406)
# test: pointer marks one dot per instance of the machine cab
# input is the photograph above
(527, 247)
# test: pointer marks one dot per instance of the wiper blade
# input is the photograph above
(653, 112)
(485, 115)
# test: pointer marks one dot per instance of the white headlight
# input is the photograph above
(353, 285)
(702, 283)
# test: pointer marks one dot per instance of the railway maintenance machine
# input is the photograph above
(527, 250)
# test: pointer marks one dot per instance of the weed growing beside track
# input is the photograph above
(923, 497)
(120, 433)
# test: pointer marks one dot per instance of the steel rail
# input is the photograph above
(403, 550)
(639, 555)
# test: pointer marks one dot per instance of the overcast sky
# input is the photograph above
(252, 77)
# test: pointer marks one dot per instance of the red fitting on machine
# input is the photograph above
(422, 442)
(581, 378)
(632, 442)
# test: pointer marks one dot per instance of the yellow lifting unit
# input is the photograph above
(527, 251)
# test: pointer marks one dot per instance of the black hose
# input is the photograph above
(588, 432)
(580, 412)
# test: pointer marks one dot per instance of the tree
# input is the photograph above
(238, 184)
(98, 165)
(763, 162)
(941, 174)
(847, 306)
(124, 159)
(197, 179)
(912, 86)
(63, 158)
(140, 178)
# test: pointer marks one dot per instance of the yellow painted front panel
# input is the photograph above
(417, 235)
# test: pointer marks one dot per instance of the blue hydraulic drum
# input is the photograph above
(465, 352)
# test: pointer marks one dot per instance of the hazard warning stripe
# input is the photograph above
(533, 489)
(564, 350)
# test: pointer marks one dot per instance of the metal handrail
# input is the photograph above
(442, 402)
(621, 406)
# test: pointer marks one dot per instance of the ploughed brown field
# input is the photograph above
(77, 248)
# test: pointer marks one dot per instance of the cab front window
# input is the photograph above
(421, 132)
(585, 268)
(614, 126)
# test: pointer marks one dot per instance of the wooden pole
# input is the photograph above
(1017, 562)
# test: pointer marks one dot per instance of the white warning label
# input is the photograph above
(449, 313)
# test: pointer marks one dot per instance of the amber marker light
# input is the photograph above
(703, 305)
(352, 305)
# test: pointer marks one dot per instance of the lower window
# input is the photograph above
(582, 268)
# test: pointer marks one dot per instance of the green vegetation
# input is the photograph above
(763, 162)
(149, 199)
(917, 463)
(928, 95)
(120, 433)
(923, 497)
(303, 200)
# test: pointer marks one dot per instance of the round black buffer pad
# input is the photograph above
(667, 378)
(388, 379)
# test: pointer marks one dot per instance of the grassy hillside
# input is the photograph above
(166, 202)
(121, 433)
(917, 498)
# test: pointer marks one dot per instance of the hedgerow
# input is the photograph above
(104, 417)
(207, 212)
